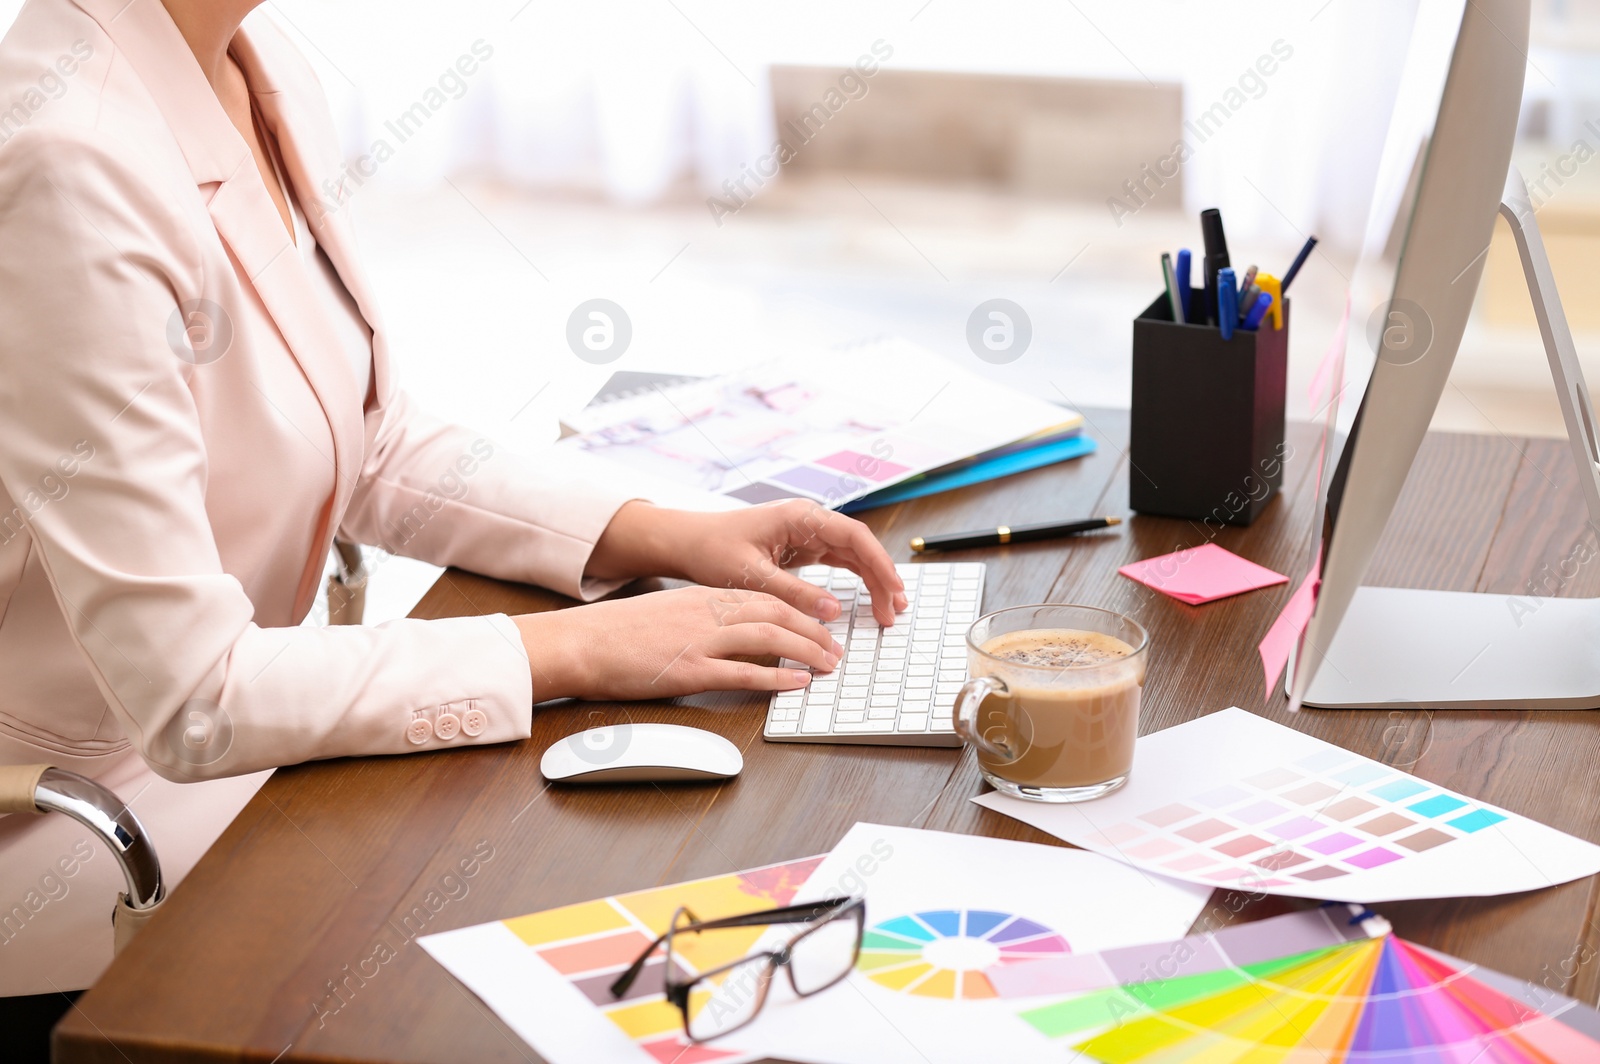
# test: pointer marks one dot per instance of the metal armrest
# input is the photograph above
(43, 789)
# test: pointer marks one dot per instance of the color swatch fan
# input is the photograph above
(1363, 1001)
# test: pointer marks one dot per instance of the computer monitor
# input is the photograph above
(1368, 647)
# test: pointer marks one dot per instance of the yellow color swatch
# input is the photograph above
(569, 921)
(647, 1018)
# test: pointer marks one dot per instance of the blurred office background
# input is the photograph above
(509, 159)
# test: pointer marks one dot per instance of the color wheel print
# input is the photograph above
(944, 953)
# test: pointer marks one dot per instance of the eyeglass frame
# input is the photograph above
(815, 915)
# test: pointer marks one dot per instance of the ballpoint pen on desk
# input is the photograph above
(1269, 284)
(1216, 242)
(1227, 302)
(1258, 311)
(1182, 278)
(994, 537)
(1174, 301)
(1299, 261)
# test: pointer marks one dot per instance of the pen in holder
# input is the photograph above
(1206, 439)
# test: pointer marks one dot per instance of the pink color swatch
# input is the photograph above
(1201, 575)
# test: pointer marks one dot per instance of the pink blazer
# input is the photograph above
(180, 439)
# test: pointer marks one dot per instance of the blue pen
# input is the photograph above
(1184, 259)
(1227, 301)
(1257, 312)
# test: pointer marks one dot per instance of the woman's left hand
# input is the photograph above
(750, 549)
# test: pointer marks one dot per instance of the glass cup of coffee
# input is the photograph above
(1052, 706)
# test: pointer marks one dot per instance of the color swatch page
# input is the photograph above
(831, 427)
(1331, 985)
(947, 916)
(548, 974)
(1234, 800)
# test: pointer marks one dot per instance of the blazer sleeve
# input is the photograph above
(442, 494)
(92, 265)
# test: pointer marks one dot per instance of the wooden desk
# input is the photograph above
(326, 861)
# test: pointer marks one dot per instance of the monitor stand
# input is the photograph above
(1467, 650)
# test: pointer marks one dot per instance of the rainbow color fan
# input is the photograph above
(1367, 999)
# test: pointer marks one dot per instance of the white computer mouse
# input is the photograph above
(641, 753)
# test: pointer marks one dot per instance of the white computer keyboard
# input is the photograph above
(894, 685)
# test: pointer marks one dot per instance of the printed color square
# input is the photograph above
(1438, 805)
(1399, 790)
(1338, 842)
(1387, 824)
(1319, 872)
(1256, 812)
(1167, 814)
(1476, 820)
(1275, 861)
(1364, 772)
(1312, 793)
(1294, 827)
(1157, 847)
(1349, 808)
(1208, 828)
(1244, 844)
(1274, 778)
(1426, 839)
(1189, 862)
(1372, 858)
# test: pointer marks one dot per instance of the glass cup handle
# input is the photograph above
(973, 692)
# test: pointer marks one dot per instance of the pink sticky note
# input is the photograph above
(1203, 574)
(1286, 630)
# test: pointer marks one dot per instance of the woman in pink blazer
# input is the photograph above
(195, 397)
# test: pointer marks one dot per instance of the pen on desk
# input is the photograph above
(1227, 302)
(1216, 242)
(1249, 279)
(994, 537)
(1252, 320)
(1171, 281)
(1269, 284)
(1182, 277)
(1299, 261)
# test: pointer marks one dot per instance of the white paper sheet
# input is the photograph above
(1234, 800)
(1021, 901)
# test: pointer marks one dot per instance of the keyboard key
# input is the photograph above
(849, 716)
(784, 714)
(919, 669)
(912, 722)
(884, 700)
(862, 726)
(888, 712)
(782, 727)
(789, 700)
(952, 676)
(815, 720)
(846, 704)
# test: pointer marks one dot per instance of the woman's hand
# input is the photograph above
(750, 549)
(672, 643)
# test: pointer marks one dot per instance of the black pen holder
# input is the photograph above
(1206, 439)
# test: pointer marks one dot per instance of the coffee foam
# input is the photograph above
(1059, 648)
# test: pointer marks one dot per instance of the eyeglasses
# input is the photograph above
(726, 997)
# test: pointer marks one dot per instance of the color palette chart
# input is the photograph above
(949, 953)
(1327, 985)
(1234, 800)
(587, 945)
(831, 426)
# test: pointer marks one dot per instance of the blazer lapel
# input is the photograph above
(308, 146)
(249, 224)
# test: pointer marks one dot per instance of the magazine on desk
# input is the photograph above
(834, 427)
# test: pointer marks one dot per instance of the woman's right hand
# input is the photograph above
(671, 643)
